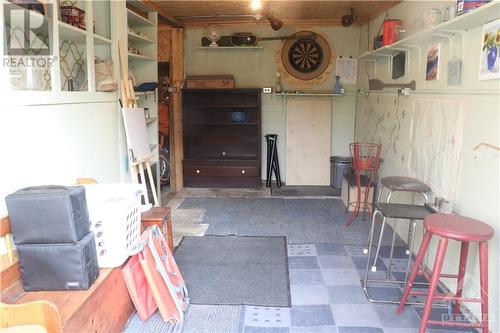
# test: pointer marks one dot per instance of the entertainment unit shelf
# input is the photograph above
(222, 137)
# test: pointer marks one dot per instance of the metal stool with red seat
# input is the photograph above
(365, 160)
(464, 230)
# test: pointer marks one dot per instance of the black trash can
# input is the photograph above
(339, 166)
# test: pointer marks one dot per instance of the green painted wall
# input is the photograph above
(478, 193)
(257, 68)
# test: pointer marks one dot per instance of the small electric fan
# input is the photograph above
(213, 34)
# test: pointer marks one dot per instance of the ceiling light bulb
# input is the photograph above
(255, 4)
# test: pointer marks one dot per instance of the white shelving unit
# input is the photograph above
(99, 40)
(141, 32)
(136, 20)
(58, 33)
(138, 39)
(69, 32)
(447, 30)
(139, 57)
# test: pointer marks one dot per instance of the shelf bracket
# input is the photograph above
(462, 39)
(375, 67)
(448, 37)
(419, 49)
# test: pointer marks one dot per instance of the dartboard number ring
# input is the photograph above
(305, 55)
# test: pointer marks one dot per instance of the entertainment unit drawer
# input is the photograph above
(221, 170)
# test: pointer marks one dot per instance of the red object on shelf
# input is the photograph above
(391, 29)
(73, 16)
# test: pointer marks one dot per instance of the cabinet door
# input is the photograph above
(308, 141)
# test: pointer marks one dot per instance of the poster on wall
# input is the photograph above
(432, 71)
(489, 67)
(347, 69)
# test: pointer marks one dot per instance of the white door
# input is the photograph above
(308, 140)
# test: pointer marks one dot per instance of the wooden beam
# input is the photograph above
(155, 6)
(176, 132)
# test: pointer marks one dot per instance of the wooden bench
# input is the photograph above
(105, 307)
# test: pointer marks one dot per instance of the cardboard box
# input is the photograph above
(210, 82)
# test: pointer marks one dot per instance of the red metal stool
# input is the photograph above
(462, 229)
(365, 160)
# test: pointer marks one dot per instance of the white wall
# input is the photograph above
(478, 193)
(55, 144)
(257, 68)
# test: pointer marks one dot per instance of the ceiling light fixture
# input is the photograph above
(347, 20)
(255, 5)
(276, 23)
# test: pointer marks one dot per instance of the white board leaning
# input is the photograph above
(136, 134)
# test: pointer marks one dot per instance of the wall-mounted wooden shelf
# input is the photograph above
(317, 94)
(464, 22)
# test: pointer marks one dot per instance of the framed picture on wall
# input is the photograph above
(432, 69)
(455, 72)
(489, 65)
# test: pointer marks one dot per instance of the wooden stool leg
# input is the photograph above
(483, 272)
(464, 252)
(416, 266)
(436, 272)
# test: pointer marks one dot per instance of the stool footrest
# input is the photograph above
(455, 324)
(448, 297)
(427, 275)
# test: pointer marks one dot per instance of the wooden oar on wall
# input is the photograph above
(374, 84)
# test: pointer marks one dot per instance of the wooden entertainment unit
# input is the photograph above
(222, 137)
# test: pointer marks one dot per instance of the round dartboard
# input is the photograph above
(305, 55)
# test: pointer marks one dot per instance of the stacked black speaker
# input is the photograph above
(51, 230)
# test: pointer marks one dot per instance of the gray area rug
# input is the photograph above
(199, 319)
(234, 270)
(299, 220)
(305, 191)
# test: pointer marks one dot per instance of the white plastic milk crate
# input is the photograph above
(115, 218)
